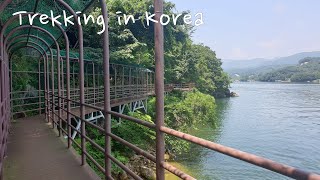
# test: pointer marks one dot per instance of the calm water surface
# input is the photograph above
(277, 121)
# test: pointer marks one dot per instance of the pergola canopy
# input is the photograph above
(41, 7)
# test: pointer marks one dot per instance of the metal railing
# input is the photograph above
(247, 157)
(58, 101)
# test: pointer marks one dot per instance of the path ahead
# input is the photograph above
(36, 153)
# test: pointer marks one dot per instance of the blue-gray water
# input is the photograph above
(277, 121)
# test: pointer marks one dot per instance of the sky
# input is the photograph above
(247, 29)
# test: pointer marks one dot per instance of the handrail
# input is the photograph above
(247, 157)
(94, 93)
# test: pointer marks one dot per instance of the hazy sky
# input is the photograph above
(238, 29)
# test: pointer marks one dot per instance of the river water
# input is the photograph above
(277, 121)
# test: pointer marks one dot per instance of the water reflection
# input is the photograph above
(193, 163)
(276, 121)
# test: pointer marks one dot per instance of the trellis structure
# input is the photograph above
(59, 95)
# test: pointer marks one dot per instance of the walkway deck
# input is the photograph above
(36, 153)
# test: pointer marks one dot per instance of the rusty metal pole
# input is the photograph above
(59, 96)
(28, 26)
(39, 77)
(68, 91)
(106, 90)
(147, 83)
(11, 89)
(94, 84)
(50, 35)
(81, 80)
(4, 4)
(58, 51)
(98, 77)
(130, 81)
(62, 86)
(86, 79)
(39, 69)
(74, 78)
(159, 61)
(45, 59)
(45, 88)
(52, 94)
(47, 81)
(48, 86)
(123, 89)
(115, 81)
(39, 85)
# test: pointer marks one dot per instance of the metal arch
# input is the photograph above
(35, 27)
(46, 69)
(81, 79)
(46, 65)
(45, 59)
(19, 42)
(49, 18)
(13, 18)
(52, 67)
(4, 4)
(24, 41)
(32, 36)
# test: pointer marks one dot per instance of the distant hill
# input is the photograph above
(307, 70)
(260, 65)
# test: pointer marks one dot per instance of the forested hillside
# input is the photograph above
(133, 43)
(185, 62)
(307, 70)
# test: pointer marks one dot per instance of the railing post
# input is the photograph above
(39, 84)
(81, 79)
(94, 84)
(68, 91)
(115, 81)
(82, 101)
(59, 95)
(52, 93)
(11, 89)
(159, 61)
(106, 91)
(45, 88)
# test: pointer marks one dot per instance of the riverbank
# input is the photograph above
(269, 120)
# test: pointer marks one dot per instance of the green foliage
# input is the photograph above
(26, 64)
(135, 133)
(308, 69)
(183, 112)
(205, 70)
(190, 108)
(133, 43)
(185, 62)
(99, 139)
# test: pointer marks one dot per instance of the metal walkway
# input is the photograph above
(36, 153)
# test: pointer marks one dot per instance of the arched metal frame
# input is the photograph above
(45, 60)
(52, 64)
(52, 71)
(159, 127)
(46, 69)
